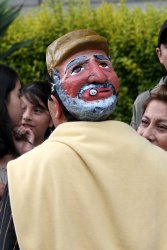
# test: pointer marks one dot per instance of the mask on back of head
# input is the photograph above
(95, 110)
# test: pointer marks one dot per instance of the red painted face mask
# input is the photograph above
(88, 85)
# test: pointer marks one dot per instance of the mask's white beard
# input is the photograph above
(90, 111)
(95, 110)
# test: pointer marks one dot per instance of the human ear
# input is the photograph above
(57, 107)
(51, 123)
(56, 111)
(158, 52)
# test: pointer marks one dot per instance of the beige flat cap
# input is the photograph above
(71, 43)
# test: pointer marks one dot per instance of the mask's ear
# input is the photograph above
(56, 111)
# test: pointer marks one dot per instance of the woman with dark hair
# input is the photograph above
(35, 113)
(10, 117)
(25, 119)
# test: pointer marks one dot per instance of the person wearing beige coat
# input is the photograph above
(94, 183)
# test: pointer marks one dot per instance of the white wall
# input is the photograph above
(28, 4)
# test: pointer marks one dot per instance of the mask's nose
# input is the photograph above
(97, 75)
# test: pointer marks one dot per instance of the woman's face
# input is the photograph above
(35, 117)
(153, 125)
(13, 105)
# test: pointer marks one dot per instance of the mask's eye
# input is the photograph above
(76, 70)
(104, 65)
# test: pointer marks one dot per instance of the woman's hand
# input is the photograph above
(23, 139)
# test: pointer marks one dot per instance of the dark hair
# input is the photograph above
(35, 92)
(160, 94)
(8, 79)
(162, 37)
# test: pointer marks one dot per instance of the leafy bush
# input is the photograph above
(7, 15)
(132, 35)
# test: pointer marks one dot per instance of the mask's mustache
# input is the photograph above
(94, 88)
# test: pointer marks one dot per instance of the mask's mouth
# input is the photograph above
(96, 91)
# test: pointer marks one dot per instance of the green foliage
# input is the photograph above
(132, 35)
(7, 16)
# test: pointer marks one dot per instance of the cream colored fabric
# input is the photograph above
(91, 186)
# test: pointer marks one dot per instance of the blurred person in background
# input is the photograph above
(10, 119)
(161, 52)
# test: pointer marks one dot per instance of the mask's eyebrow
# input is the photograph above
(102, 58)
(76, 61)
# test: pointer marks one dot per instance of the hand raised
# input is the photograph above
(23, 139)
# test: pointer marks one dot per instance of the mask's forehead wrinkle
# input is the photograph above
(101, 57)
(75, 62)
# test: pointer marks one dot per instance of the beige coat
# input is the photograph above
(90, 186)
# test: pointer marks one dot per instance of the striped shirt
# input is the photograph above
(8, 239)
